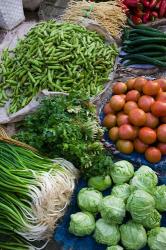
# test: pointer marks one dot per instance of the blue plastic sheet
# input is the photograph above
(71, 242)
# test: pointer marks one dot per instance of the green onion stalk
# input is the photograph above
(34, 192)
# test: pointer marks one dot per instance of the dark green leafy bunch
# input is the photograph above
(68, 128)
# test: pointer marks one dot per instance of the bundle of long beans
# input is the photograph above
(34, 192)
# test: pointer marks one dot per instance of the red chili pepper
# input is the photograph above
(146, 17)
(145, 3)
(162, 8)
(153, 4)
(154, 14)
(136, 20)
(131, 3)
(158, 5)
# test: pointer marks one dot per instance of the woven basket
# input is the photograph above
(4, 137)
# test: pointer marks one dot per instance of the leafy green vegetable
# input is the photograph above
(144, 181)
(133, 235)
(100, 182)
(112, 209)
(153, 220)
(89, 200)
(121, 191)
(157, 238)
(160, 198)
(121, 172)
(67, 127)
(106, 233)
(82, 223)
(140, 204)
(115, 248)
(145, 170)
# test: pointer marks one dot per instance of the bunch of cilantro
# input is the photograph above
(68, 128)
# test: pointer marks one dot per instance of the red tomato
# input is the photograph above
(153, 155)
(151, 88)
(127, 132)
(162, 83)
(139, 146)
(114, 133)
(161, 97)
(147, 135)
(130, 83)
(119, 88)
(132, 95)
(107, 109)
(145, 102)
(162, 147)
(122, 118)
(139, 83)
(161, 133)
(129, 106)
(125, 146)
(137, 117)
(117, 102)
(158, 108)
(151, 121)
(109, 121)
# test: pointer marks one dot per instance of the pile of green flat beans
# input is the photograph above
(58, 57)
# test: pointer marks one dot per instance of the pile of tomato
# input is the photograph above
(136, 117)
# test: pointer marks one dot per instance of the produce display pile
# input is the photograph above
(65, 138)
(109, 14)
(32, 195)
(128, 218)
(67, 127)
(143, 11)
(58, 57)
(144, 45)
(136, 117)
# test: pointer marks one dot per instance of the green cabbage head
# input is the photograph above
(89, 200)
(133, 236)
(100, 182)
(82, 223)
(144, 182)
(153, 220)
(140, 204)
(121, 172)
(157, 238)
(160, 198)
(121, 191)
(106, 233)
(112, 209)
(117, 247)
(145, 170)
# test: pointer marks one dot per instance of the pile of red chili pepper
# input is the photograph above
(143, 11)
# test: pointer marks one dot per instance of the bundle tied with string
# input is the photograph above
(34, 193)
(110, 15)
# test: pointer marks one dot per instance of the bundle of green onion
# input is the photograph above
(34, 192)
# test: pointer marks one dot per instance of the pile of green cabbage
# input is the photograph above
(136, 193)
